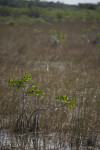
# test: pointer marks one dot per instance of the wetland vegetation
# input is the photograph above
(52, 48)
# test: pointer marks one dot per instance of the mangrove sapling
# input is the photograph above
(86, 36)
(27, 87)
(22, 85)
(57, 38)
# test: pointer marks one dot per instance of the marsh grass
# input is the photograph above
(74, 70)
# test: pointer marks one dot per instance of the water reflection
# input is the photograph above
(40, 141)
(32, 142)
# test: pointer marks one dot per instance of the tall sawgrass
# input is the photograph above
(73, 69)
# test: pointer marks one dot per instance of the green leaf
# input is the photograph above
(42, 93)
(67, 101)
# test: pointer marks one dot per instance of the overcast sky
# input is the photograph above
(74, 1)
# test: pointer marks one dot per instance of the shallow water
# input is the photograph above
(31, 141)
(40, 141)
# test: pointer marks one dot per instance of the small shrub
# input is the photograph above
(56, 37)
(27, 87)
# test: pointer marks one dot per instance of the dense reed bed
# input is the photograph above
(74, 70)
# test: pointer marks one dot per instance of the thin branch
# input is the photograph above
(51, 107)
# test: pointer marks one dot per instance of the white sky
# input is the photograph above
(74, 1)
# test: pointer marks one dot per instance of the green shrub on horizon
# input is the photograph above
(50, 14)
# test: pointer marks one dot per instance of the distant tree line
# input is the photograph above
(44, 4)
(89, 6)
(48, 11)
(31, 3)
